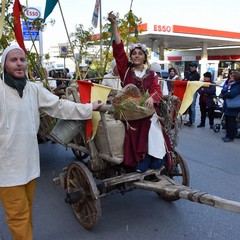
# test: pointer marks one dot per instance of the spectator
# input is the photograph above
(52, 73)
(67, 74)
(172, 75)
(157, 69)
(230, 114)
(228, 80)
(112, 79)
(193, 75)
(206, 101)
(51, 81)
(20, 103)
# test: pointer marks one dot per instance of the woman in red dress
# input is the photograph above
(136, 145)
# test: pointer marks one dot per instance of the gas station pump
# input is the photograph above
(209, 66)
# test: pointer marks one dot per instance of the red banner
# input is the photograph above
(179, 88)
(17, 11)
(84, 89)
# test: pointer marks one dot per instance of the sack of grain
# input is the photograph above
(116, 132)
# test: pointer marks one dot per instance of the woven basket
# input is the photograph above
(130, 104)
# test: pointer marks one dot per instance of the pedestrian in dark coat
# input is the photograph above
(230, 114)
(207, 101)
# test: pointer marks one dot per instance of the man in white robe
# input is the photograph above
(20, 103)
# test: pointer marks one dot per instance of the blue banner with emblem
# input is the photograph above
(30, 32)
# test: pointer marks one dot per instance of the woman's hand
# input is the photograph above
(149, 102)
(112, 18)
(114, 26)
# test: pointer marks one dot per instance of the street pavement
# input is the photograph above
(140, 215)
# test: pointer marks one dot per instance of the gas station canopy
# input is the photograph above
(182, 42)
(185, 37)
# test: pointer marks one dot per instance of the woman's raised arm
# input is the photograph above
(113, 21)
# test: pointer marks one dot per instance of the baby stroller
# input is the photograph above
(217, 113)
(217, 127)
(218, 107)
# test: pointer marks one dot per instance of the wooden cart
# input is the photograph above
(86, 182)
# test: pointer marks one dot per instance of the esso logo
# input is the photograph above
(32, 13)
(162, 28)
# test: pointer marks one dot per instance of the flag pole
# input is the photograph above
(131, 5)
(129, 23)
(100, 14)
(71, 46)
(2, 17)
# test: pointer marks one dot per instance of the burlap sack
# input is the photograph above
(116, 131)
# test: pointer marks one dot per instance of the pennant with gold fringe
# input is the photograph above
(99, 92)
(84, 89)
(90, 92)
(192, 87)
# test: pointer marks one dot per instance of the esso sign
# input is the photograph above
(32, 13)
(162, 28)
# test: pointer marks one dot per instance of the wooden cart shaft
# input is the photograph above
(172, 188)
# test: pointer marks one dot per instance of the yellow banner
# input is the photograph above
(192, 87)
(98, 92)
(2, 17)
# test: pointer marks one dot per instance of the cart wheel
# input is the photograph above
(179, 173)
(79, 155)
(82, 194)
(216, 128)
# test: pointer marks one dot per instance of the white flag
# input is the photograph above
(95, 14)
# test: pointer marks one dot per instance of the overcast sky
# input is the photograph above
(212, 14)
